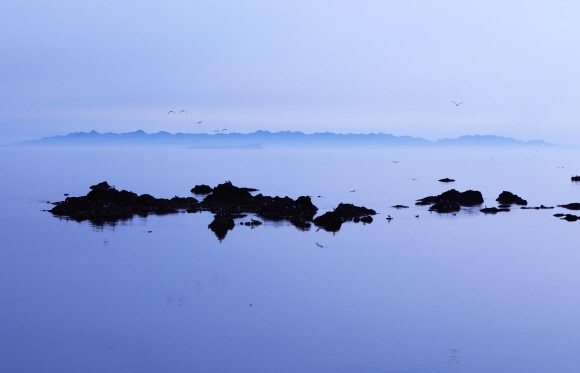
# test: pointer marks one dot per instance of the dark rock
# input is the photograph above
(505, 206)
(570, 217)
(367, 219)
(508, 198)
(493, 210)
(201, 189)
(400, 207)
(332, 220)
(227, 197)
(447, 180)
(575, 178)
(452, 200)
(571, 206)
(105, 204)
(221, 224)
(559, 215)
(356, 220)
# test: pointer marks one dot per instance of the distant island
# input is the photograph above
(260, 140)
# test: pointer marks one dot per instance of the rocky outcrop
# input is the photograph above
(447, 180)
(508, 198)
(452, 200)
(541, 207)
(105, 204)
(575, 178)
(332, 220)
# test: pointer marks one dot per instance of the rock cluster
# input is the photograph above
(452, 200)
(105, 204)
(575, 178)
(332, 220)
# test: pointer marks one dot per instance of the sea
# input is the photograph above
(421, 292)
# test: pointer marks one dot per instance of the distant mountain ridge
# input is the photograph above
(260, 139)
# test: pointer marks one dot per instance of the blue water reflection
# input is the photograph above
(438, 293)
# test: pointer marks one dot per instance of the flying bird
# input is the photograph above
(199, 122)
(183, 111)
(352, 191)
(319, 245)
(457, 104)
(171, 111)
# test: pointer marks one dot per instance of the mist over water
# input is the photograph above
(437, 293)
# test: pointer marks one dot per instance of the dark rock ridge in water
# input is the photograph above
(332, 220)
(400, 207)
(575, 178)
(493, 210)
(508, 198)
(228, 199)
(541, 207)
(452, 200)
(571, 217)
(201, 189)
(105, 204)
(447, 180)
(571, 206)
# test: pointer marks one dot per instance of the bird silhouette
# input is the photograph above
(171, 111)
(352, 191)
(457, 104)
(395, 162)
(319, 245)
(201, 121)
(183, 111)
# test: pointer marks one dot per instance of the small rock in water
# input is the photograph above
(447, 180)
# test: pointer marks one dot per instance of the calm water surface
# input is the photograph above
(438, 293)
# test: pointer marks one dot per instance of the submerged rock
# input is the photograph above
(508, 198)
(452, 200)
(493, 210)
(332, 220)
(105, 204)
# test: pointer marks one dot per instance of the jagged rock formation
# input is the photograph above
(105, 204)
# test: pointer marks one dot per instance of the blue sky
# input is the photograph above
(311, 66)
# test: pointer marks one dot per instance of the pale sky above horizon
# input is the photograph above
(311, 66)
